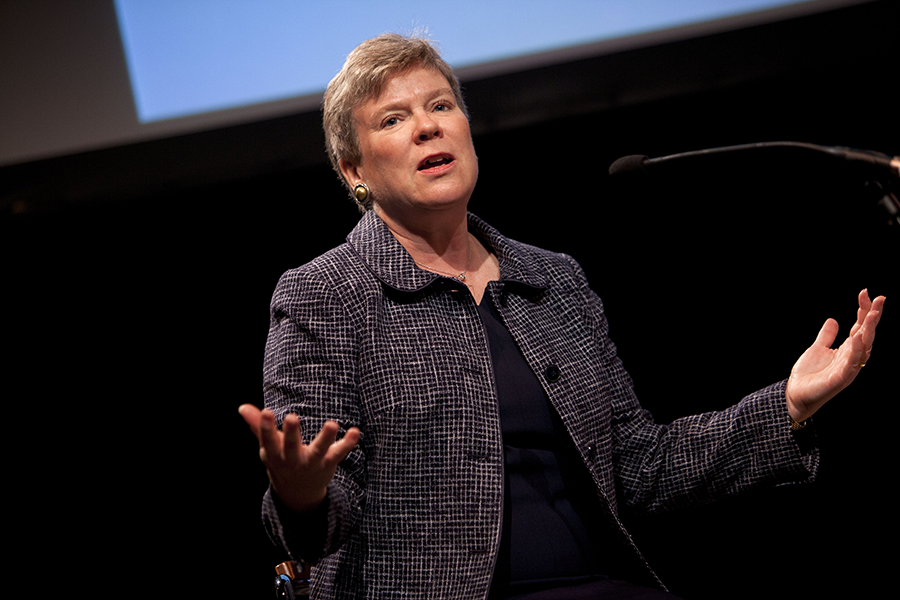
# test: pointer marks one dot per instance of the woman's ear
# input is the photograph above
(350, 171)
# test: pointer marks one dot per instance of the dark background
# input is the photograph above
(136, 284)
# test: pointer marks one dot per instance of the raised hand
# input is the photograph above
(299, 473)
(823, 371)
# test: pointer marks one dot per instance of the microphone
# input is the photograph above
(880, 171)
(876, 165)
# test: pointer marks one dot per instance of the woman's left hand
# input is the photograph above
(822, 372)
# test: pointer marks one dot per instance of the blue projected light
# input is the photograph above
(193, 56)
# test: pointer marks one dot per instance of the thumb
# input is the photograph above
(827, 334)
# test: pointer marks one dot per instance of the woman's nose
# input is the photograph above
(427, 128)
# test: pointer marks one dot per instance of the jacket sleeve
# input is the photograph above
(311, 367)
(700, 458)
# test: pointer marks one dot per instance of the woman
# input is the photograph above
(477, 429)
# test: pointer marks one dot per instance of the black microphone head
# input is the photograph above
(629, 165)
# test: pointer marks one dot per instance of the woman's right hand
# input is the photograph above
(299, 472)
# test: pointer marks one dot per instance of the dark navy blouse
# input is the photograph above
(550, 508)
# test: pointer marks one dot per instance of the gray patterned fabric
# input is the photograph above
(362, 336)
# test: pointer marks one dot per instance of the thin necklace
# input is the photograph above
(461, 276)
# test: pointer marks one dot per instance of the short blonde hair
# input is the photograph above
(362, 78)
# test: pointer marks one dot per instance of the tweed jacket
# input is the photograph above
(362, 336)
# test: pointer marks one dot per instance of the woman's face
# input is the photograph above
(415, 145)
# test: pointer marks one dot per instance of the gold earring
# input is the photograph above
(361, 192)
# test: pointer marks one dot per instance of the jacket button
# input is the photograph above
(552, 373)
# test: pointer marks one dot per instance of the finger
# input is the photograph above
(324, 439)
(872, 313)
(827, 334)
(854, 347)
(867, 332)
(250, 415)
(864, 302)
(865, 305)
(878, 308)
(344, 446)
(270, 439)
(293, 438)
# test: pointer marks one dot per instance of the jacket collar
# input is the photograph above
(389, 261)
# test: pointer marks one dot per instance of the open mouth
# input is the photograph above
(435, 161)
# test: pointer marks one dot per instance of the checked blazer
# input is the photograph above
(362, 336)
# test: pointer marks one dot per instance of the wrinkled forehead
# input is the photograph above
(399, 89)
(395, 81)
(415, 82)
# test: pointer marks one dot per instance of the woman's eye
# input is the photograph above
(390, 122)
(442, 106)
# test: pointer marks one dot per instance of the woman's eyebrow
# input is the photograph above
(401, 104)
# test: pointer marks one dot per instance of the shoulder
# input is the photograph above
(549, 259)
(557, 277)
(529, 264)
(561, 271)
(337, 276)
(322, 268)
